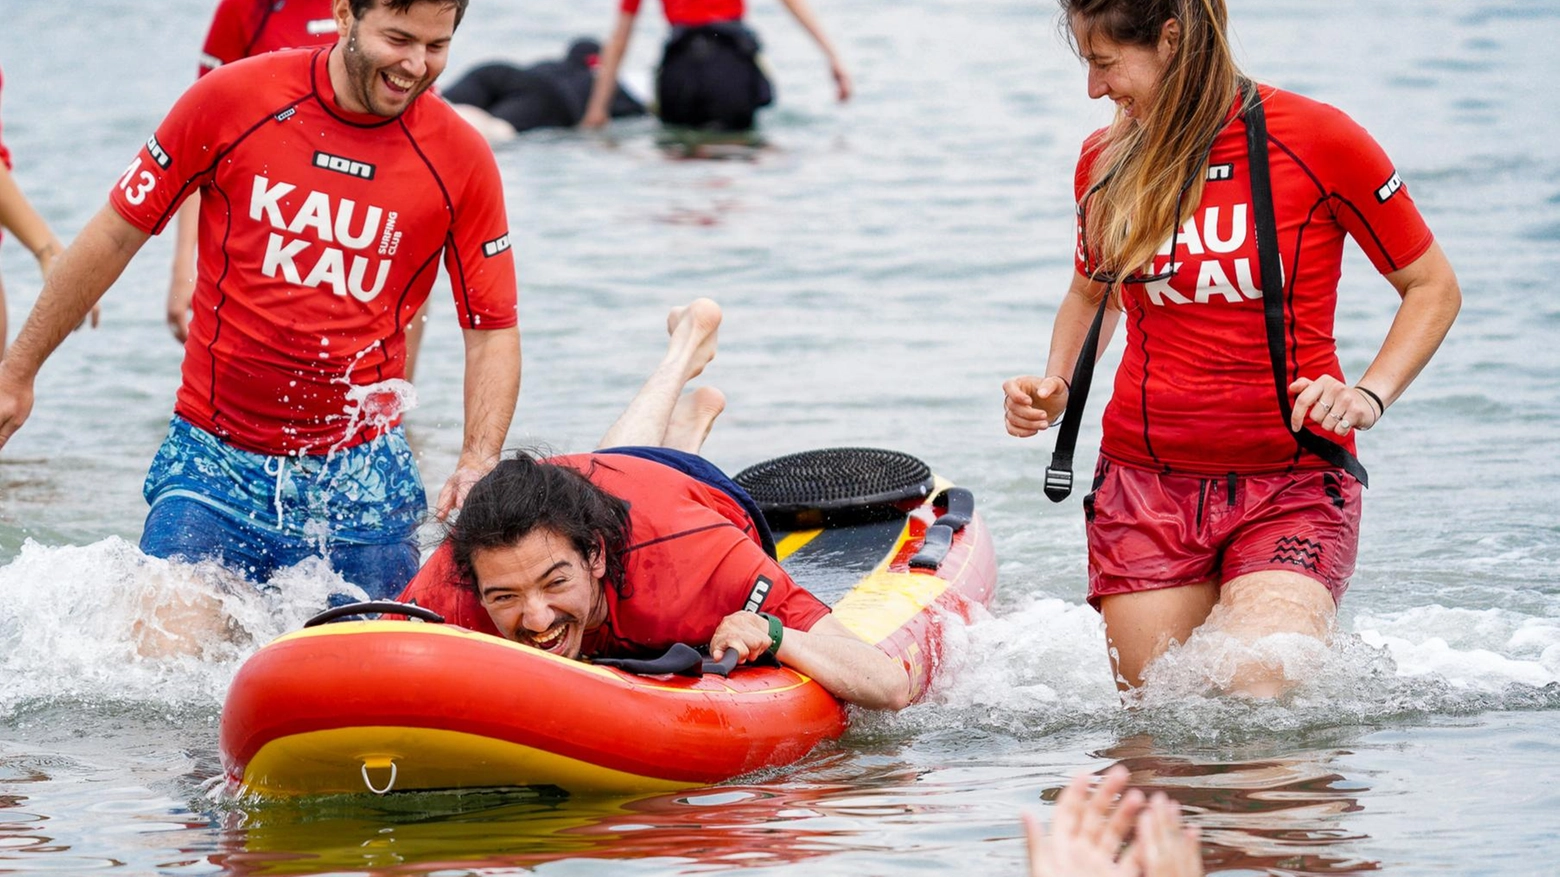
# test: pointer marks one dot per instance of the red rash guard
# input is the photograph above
(692, 13)
(320, 236)
(693, 559)
(1195, 391)
(242, 28)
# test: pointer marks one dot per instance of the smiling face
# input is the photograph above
(541, 592)
(1128, 74)
(387, 58)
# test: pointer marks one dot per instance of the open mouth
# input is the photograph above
(552, 639)
(398, 84)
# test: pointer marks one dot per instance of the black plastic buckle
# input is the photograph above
(1058, 480)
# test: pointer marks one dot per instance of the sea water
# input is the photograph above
(883, 265)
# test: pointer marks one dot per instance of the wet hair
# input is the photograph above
(361, 7)
(1144, 165)
(524, 493)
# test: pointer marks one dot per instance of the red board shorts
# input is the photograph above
(1149, 530)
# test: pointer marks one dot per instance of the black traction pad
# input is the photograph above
(835, 486)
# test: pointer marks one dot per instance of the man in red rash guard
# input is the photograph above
(239, 29)
(243, 28)
(641, 545)
(332, 186)
(709, 76)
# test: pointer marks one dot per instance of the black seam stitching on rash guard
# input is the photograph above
(178, 198)
(227, 231)
(265, 19)
(1369, 229)
(461, 287)
(1148, 443)
(681, 533)
(216, 312)
(1304, 168)
(1335, 196)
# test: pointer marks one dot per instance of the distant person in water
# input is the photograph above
(641, 545)
(503, 100)
(709, 76)
(19, 218)
(1089, 833)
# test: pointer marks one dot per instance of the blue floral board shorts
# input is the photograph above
(359, 508)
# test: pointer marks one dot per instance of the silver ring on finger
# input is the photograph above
(1344, 425)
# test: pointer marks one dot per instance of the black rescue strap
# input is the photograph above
(1273, 284)
(1059, 476)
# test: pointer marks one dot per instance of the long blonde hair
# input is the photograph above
(1143, 165)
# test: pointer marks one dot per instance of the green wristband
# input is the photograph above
(776, 631)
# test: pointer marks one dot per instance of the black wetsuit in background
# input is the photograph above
(710, 78)
(550, 94)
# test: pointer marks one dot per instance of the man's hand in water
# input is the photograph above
(16, 401)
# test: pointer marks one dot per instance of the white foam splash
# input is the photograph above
(1475, 649)
(1040, 667)
(105, 623)
(376, 406)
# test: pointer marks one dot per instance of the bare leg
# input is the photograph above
(648, 416)
(1140, 626)
(1261, 604)
(692, 419)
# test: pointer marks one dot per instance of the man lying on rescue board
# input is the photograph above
(643, 544)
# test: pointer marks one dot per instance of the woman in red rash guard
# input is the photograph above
(1227, 496)
(709, 75)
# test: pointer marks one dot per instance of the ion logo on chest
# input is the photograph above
(340, 165)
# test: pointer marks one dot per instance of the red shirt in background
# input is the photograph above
(241, 28)
(692, 13)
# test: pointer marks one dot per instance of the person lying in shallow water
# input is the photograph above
(502, 100)
(641, 545)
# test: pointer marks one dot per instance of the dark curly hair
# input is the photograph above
(523, 493)
(361, 7)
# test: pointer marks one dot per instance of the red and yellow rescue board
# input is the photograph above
(408, 706)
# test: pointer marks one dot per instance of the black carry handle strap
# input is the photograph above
(679, 660)
(388, 607)
(1059, 475)
(1273, 283)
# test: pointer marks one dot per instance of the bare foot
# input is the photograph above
(496, 130)
(693, 418)
(693, 328)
